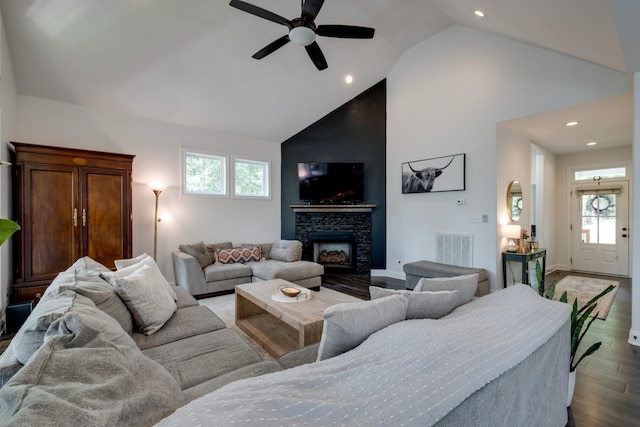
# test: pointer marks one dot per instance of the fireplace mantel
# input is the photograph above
(332, 208)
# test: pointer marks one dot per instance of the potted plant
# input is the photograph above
(7, 228)
(579, 328)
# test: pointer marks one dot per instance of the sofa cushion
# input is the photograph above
(196, 359)
(80, 378)
(286, 250)
(215, 273)
(466, 285)
(104, 296)
(349, 324)
(186, 322)
(422, 305)
(31, 335)
(143, 290)
(198, 251)
(235, 255)
(84, 266)
(290, 271)
(184, 298)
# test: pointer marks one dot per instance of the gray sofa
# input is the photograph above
(79, 360)
(81, 366)
(200, 269)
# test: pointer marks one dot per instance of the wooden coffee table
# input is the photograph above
(280, 327)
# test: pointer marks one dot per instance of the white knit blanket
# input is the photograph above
(411, 373)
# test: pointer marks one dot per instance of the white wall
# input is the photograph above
(634, 334)
(157, 146)
(8, 96)
(512, 156)
(445, 96)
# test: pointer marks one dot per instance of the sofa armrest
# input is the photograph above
(301, 356)
(188, 273)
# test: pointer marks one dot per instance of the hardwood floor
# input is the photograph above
(607, 390)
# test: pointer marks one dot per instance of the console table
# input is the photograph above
(524, 259)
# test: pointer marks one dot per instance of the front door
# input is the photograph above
(600, 228)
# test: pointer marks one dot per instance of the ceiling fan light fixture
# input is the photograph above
(302, 35)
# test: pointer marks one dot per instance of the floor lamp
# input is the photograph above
(157, 188)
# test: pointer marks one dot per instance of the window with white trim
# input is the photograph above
(204, 174)
(251, 178)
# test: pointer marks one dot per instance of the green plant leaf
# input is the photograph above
(589, 352)
(7, 228)
(564, 297)
(596, 298)
(551, 291)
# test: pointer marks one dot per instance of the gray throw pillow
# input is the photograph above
(286, 250)
(143, 290)
(124, 263)
(466, 285)
(422, 305)
(198, 251)
(349, 324)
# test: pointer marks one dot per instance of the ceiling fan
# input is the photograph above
(303, 30)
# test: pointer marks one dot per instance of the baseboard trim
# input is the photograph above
(388, 273)
(634, 338)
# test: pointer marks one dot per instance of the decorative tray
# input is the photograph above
(283, 291)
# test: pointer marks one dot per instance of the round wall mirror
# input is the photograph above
(514, 201)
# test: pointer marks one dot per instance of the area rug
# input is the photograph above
(224, 307)
(585, 288)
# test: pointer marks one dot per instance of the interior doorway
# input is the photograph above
(600, 241)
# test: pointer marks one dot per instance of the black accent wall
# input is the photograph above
(354, 132)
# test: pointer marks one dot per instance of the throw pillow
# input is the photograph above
(148, 260)
(212, 247)
(349, 324)
(422, 305)
(122, 263)
(142, 288)
(231, 256)
(466, 285)
(265, 248)
(199, 252)
(286, 250)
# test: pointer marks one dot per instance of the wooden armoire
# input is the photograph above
(70, 203)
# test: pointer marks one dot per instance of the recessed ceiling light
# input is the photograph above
(592, 143)
(348, 79)
(571, 123)
(479, 13)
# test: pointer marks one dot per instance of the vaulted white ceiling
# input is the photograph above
(189, 61)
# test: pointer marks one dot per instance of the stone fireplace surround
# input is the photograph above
(311, 221)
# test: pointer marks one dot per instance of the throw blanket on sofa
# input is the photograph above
(410, 373)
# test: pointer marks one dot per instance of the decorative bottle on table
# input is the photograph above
(534, 239)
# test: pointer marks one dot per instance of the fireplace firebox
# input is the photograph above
(335, 251)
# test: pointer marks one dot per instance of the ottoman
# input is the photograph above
(415, 271)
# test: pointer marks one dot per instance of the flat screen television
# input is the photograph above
(331, 182)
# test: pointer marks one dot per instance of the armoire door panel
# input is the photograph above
(52, 240)
(105, 228)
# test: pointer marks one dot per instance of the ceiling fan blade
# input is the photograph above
(271, 47)
(316, 56)
(260, 12)
(310, 9)
(345, 31)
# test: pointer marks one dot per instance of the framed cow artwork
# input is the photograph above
(445, 173)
